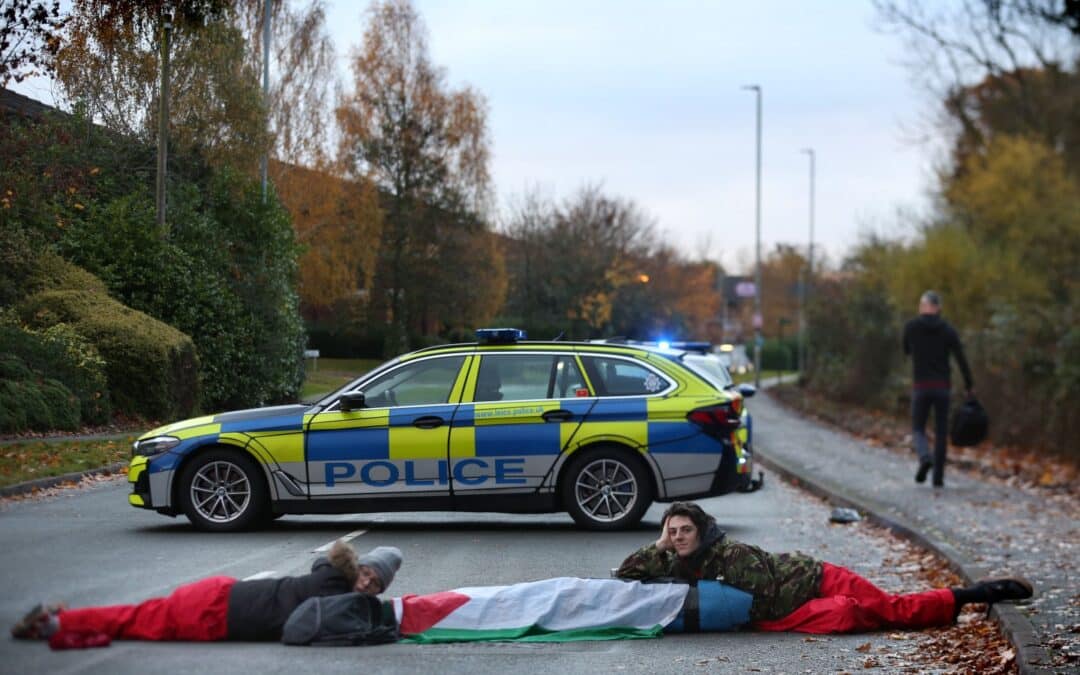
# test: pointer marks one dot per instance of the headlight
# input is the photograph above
(154, 446)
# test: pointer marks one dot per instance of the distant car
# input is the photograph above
(734, 358)
(503, 424)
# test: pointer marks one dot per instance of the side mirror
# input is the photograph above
(352, 400)
(747, 390)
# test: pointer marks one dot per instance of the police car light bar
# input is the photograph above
(498, 336)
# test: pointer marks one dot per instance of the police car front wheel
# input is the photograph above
(223, 491)
(606, 489)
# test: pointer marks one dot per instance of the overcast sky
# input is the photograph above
(645, 98)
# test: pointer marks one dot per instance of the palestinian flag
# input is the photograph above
(552, 610)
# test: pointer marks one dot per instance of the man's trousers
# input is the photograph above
(848, 603)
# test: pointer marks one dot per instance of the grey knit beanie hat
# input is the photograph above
(385, 560)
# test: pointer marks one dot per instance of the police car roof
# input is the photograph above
(565, 344)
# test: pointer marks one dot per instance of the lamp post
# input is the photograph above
(266, 89)
(757, 245)
(163, 121)
(804, 347)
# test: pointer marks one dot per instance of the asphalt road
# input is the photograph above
(87, 546)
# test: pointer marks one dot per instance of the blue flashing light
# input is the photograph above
(499, 336)
(663, 344)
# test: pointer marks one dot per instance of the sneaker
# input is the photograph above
(924, 468)
(38, 622)
(1005, 588)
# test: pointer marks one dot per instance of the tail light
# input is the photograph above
(716, 419)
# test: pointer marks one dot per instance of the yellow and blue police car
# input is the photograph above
(504, 424)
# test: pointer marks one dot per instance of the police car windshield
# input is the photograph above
(709, 367)
(333, 396)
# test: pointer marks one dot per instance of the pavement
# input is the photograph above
(982, 528)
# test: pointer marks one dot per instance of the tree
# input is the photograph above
(337, 223)
(575, 266)
(110, 68)
(303, 77)
(29, 38)
(1007, 66)
(426, 147)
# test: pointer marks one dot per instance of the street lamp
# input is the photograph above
(757, 246)
(804, 348)
(163, 121)
(264, 162)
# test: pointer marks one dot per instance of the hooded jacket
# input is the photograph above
(259, 608)
(779, 583)
(930, 340)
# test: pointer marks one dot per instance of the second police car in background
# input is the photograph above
(503, 424)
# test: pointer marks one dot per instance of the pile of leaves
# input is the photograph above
(1014, 465)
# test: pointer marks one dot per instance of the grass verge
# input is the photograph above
(325, 375)
(20, 462)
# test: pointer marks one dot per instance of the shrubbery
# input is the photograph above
(151, 367)
(222, 271)
(37, 404)
(32, 367)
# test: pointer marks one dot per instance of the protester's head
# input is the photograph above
(929, 303)
(686, 523)
(370, 573)
(382, 564)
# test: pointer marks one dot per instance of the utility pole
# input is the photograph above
(758, 319)
(163, 120)
(804, 295)
(266, 87)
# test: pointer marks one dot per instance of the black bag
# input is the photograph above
(970, 424)
(339, 620)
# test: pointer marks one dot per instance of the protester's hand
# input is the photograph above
(664, 543)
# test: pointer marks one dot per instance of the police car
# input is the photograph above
(503, 424)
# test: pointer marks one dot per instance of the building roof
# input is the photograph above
(15, 103)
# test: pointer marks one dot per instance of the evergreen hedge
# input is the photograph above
(152, 368)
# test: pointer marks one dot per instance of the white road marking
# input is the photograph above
(261, 575)
(347, 538)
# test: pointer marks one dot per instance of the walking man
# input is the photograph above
(930, 340)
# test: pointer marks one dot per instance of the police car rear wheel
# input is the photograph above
(606, 489)
(223, 491)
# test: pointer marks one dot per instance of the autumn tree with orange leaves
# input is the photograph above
(426, 147)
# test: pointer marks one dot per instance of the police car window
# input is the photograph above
(711, 368)
(426, 382)
(517, 377)
(618, 377)
(567, 380)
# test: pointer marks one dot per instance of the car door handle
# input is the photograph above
(428, 422)
(557, 416)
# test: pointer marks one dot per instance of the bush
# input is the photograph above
(40, 405)
(780, 354)
(58, 353)
(151, 367)
(223, 269)
(222, 272)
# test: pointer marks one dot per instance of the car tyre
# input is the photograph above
(224, 491)
(606, 488)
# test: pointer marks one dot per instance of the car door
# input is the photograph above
(397, 442)
(525, 408)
